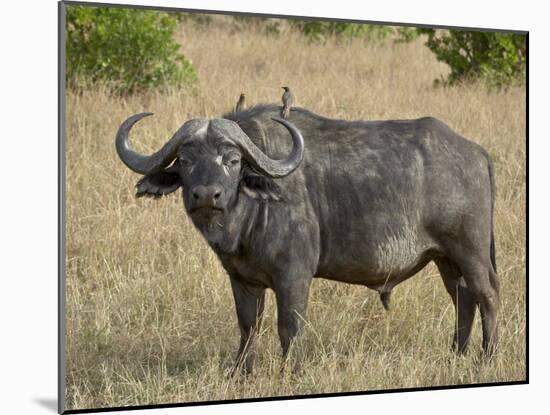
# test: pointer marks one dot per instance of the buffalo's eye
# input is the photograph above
(233, 159)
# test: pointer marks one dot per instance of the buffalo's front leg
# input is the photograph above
(292, 295)
(249, 303)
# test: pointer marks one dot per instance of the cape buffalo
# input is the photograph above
(363, 202)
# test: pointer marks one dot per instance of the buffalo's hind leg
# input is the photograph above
(249, 303)
(463, 300)
(482, 282)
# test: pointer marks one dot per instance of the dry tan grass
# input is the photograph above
(150, 315)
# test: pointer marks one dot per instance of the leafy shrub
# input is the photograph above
(130, 49)
(319, 30)
(406, 34)
(497, 58)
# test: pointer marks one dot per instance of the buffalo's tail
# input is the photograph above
(492, 182)
(385, 298)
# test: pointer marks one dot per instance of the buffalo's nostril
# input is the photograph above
(195, 196)
(217, 195)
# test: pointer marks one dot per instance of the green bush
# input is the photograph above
(406, 34)
(319, 30)
(130, 49)
(497, 58)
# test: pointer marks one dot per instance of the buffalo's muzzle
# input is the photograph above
(206, 202)
(206, 196)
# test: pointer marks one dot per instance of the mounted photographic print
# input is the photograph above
(273, 207)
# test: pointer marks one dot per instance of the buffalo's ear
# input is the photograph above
(159, 184)
(258, 186)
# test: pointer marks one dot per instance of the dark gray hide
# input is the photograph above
(371, 203)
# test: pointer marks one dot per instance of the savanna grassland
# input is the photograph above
(149, 311)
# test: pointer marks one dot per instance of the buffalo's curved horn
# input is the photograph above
(157, 161)
(257, 158)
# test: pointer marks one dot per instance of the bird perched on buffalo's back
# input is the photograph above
(240, 104)
(288, 102)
